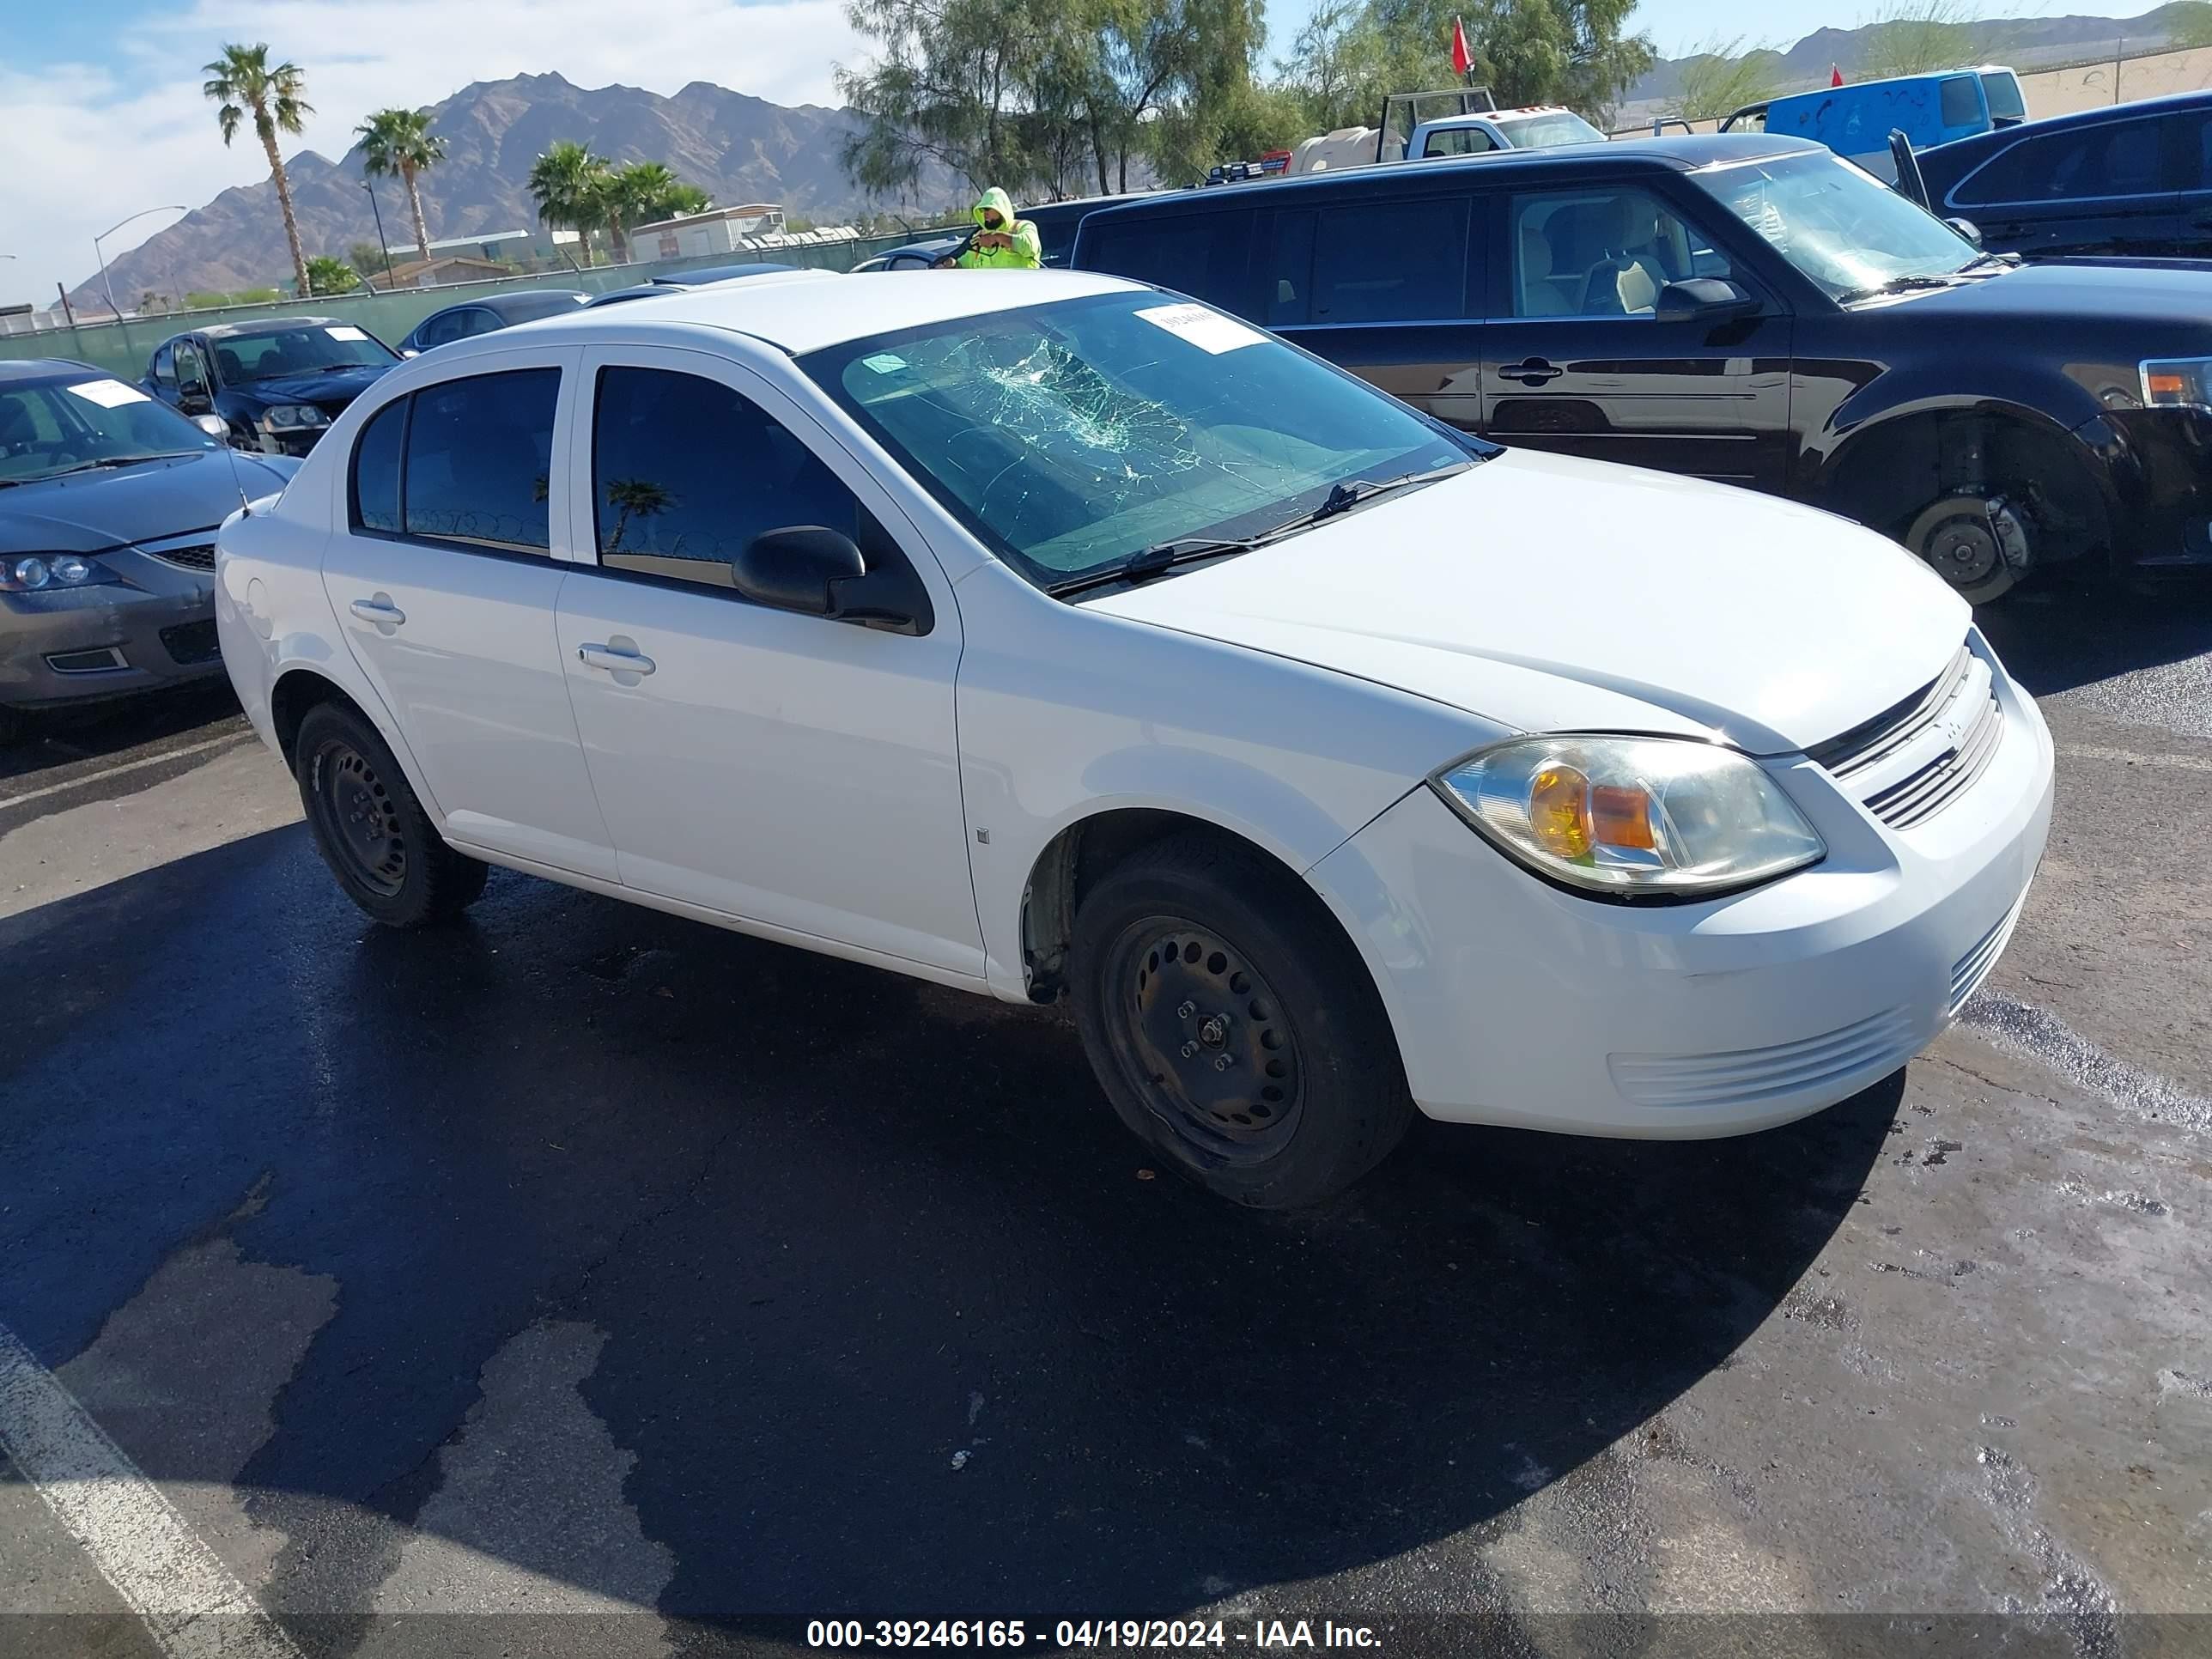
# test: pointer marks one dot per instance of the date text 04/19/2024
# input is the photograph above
(1079, 1635)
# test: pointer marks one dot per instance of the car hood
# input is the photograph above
(334, 390)
(1547, 593)
(2175, 292)
(92, 512)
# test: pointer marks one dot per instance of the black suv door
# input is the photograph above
(1391, 288)
(1576, 359)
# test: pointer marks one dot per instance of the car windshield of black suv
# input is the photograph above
(308, 349)
(1847, 231)
(1069, 437)
(52, 427)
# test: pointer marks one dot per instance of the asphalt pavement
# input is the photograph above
(585, 1280)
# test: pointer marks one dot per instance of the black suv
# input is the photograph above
(1743, 307)
(276, 385)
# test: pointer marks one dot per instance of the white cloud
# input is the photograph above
(90, 143)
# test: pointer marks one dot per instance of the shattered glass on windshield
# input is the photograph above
(1076, 434)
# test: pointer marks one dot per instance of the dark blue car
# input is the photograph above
(109, 503)
(2131, 179)
(276, 385)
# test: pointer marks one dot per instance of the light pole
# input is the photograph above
(390, 281)
(174, 207)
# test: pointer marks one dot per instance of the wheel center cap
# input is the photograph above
(1214, 1031)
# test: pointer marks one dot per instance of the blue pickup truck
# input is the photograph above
(1856, 121)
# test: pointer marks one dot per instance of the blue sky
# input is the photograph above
(104, 113)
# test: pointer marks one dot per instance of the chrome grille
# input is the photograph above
(1912, 760)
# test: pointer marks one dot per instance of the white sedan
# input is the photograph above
(1045, 635)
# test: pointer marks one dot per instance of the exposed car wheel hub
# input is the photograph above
(1206, 1039)
(1976, 543)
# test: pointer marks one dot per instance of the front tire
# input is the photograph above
(1976, 543)
(370, 828)
(1233, 1027)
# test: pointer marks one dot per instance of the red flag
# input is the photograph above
(1835, 75)
(1462, 60)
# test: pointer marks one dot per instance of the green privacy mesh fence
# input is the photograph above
(122, 348)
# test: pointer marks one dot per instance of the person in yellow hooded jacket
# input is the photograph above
(1001, 241)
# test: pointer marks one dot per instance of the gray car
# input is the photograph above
(109, 503)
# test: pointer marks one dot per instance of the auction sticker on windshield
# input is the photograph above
(108, 394)
(1209, 331)
(345, 332)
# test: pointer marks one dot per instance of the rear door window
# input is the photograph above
(479, 459)
(1205, 255)
(1390, 262)
(1959, 101)
(2109, 159)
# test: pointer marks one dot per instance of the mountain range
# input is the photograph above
(737, 148)
(2023, 42)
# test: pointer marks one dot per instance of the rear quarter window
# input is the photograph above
(375, 489)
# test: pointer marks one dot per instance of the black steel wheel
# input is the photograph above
(370, 828)
(358, 817)
(1233, 1026)
(1207, 1039)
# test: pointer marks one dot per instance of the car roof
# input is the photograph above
(26, 369)
(813, 309)
(1673, 154)
(503, 303)
(267, 325)
(716, 273)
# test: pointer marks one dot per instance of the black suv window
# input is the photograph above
(1389, 262)
(2111, 158)
(686, 471)
(1200, 254)
(478, 456)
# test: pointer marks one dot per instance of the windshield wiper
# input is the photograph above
(1908, 282)
(109, 460)
(2004, 261)
(1163, 557)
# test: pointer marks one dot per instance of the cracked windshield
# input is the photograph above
(1071, 436)
(1843, 228)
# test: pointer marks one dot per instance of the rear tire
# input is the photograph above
(1233, 1026)
(370, 828)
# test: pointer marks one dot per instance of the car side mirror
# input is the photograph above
(214, 425)
(1702, 300)
(820, 572)
(409, 351)
(1968, 228)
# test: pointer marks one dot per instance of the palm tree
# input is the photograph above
(326, 275)
(399, 141)
(566, 183)
(244, 79)
(638, 497)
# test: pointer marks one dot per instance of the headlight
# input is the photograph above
(2176, 382)
(285, 416)
(1653, 817)
(35, 572)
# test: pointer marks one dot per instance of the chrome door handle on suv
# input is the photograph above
(1535, 372)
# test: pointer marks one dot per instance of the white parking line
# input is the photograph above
(234, 738)
(192, 1605)
(2134, 757)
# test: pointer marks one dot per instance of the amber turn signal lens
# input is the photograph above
(2162, 385)
(1621, 816)
(1560, 813)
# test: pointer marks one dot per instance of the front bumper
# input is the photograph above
(1516, 1003)
(2158, 463)
(156, 628)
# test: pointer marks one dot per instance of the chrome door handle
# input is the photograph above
(615, 660)
(1535, 372)
(379, 610)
